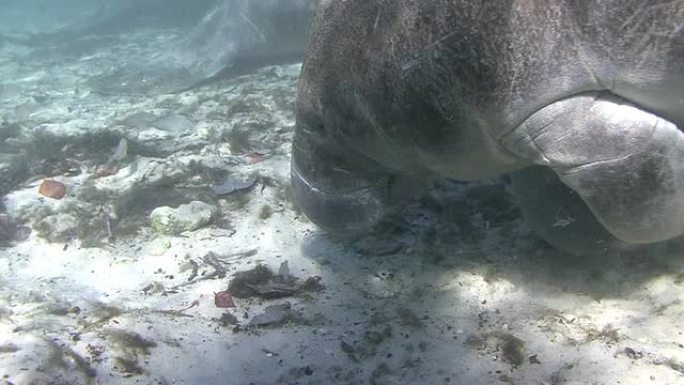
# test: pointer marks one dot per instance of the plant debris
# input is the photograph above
(272, 315)
(217, 262)
(233, 184)
(262, 282)
(228, 319)
(223, 299)
(533, 359)
(508, 347)
(512, 349)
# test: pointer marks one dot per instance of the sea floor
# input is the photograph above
(96, 289)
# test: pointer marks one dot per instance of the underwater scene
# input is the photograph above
(341, 192)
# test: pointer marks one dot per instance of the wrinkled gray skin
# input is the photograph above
(584, 99)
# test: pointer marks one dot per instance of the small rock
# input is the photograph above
(233, 184)
(187, 217)
(631, 353)
(174, 123)
(312, 284)
(272, 315)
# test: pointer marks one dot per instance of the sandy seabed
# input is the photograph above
(456, 291)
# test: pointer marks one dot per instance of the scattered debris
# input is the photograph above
(52, 189)
(106, 170)
(631, 353)
(217, 262)
(228, 319)
(260, 281)
(128, 348)
(512, 349)
(301, 372)
(672, 363)
(62, 354)
(270, 353)
(241, 285)
(349, 350)
(609, 335)
(128, 366)
(223, 299)
(10, 231)
(233, 184)
(154, 288)
(192, 304)
(254, 157)
(509, 347)
(272, 315)
(121, 152)
(95, 352)
(312, 284)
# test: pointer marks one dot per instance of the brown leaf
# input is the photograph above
(223, 299)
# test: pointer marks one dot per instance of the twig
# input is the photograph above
(216, 262)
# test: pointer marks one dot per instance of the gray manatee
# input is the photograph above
(582, 101)
(233, 38)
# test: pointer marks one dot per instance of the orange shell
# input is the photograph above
(52, 189)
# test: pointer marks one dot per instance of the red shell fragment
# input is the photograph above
(52, 189)
(106, 171)
(223, 299)
(255, 157)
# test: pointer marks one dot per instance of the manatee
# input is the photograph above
(582, 103)
(234, 38)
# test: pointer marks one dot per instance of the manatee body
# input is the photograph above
(583, 102)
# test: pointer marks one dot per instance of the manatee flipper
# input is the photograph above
(344, 191)
(625, 163)
(558, 214)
